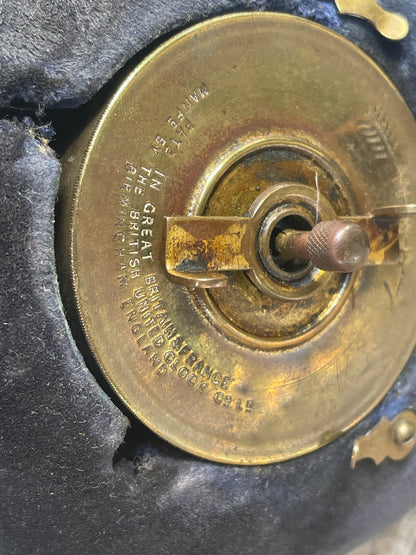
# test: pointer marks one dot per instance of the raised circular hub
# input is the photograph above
(273, 306)
(284, 358)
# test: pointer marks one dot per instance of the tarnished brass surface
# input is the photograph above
(208, 245)
(393, 26)
(394, 440)
(203, 127)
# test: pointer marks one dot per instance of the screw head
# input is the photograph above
(404, 431)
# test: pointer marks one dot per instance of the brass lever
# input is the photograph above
(393, 26)
(201, 251)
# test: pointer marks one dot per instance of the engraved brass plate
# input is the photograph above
(205, 125)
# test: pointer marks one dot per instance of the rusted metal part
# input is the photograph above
(200, 248)
(394, 440)
(393, 26)
(383, 232)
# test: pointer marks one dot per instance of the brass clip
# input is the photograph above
(388, 439)
(393, 26)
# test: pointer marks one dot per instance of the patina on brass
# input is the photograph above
(393, 26)
(206, 246)
(394, 440)
(234, 115)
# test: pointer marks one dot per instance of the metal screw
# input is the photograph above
(331, 245)
(404, 431)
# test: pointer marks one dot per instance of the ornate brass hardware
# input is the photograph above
(393, 26)
(394, 440)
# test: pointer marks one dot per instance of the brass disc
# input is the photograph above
(192, 365)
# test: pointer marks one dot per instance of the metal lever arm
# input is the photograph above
(201, 251)
(393, 26)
